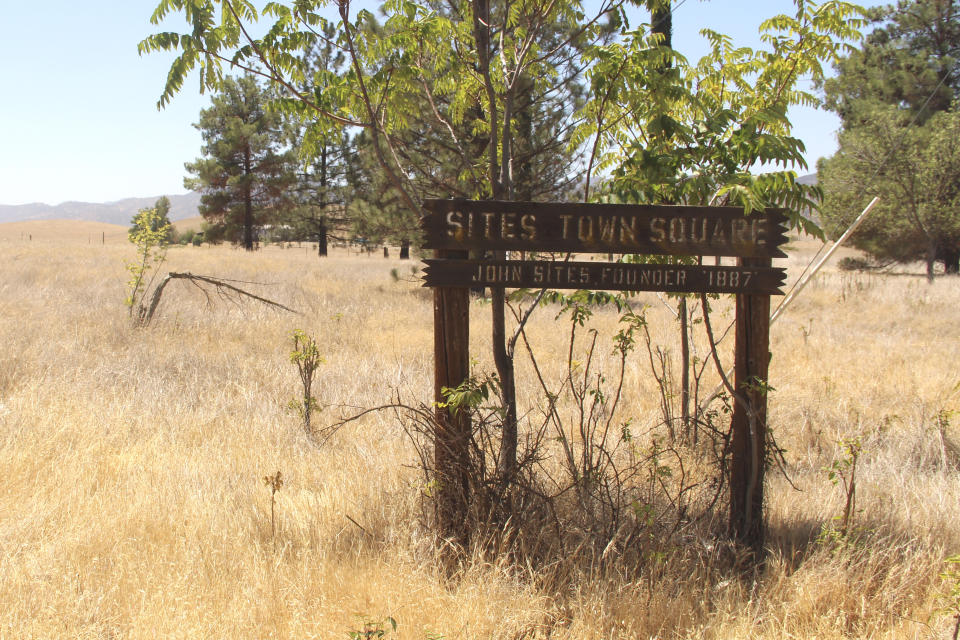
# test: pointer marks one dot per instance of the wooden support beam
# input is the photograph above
(749, 422)
(451, 336)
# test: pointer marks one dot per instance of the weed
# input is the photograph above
(372, 629)
(306, 357)
(275, 482)
(843, 471)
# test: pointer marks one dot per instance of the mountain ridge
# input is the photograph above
(116, 212)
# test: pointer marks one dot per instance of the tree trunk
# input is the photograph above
(404, 249)
(931, 259)
(247, 203)
(322, 239)
(322, 228)
(507, 458)
(661, 19)
(950, 257)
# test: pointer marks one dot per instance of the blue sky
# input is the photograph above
(78, 116)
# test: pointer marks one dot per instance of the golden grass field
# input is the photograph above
(132, 503)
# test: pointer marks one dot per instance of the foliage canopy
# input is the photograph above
(898, 96)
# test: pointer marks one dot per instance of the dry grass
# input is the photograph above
(133, 506)
(63, 231)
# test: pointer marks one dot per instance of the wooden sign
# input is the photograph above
(454, 227)
(603, 228)
(607, 276)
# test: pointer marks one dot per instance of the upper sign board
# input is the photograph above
(603, 228)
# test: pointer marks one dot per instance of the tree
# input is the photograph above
(910, 60)
(693, 134)
(469, 67)
(915, 171)
(377, 213)
(150, 233)
(245, 172)
(161, 219)
(897, 96)
(321, 192)
(326, 155)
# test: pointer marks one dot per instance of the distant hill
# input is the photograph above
(119, 212)
(810, 178)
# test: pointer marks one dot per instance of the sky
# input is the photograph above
(78, 114)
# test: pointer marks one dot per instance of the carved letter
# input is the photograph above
(585, 231)
(738, 235)
(658, 226)
(529, 225)
(538, 273)
(608, 227)
(719, 234)
(488, 225)
(678, 227)
(454, 225)
(628, 230)
(508, 226)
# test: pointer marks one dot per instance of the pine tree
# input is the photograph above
(245, 171)
(910, 60)
(897, 96)
(325, 152)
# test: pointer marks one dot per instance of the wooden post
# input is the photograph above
(451, 336)
(749, 423)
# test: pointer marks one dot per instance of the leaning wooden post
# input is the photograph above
(749, 424)
(451, 348)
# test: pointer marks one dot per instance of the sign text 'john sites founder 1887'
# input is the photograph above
(603, 228)
(526, 274)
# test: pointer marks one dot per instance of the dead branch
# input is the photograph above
(222, 287)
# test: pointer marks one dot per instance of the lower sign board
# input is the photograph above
(608, 276)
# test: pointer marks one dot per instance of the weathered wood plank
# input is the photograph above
(748, 442)
(609, 276)
(451, 349)
(603, 228)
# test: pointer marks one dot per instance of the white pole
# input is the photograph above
(836, 245)
(803, 282)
